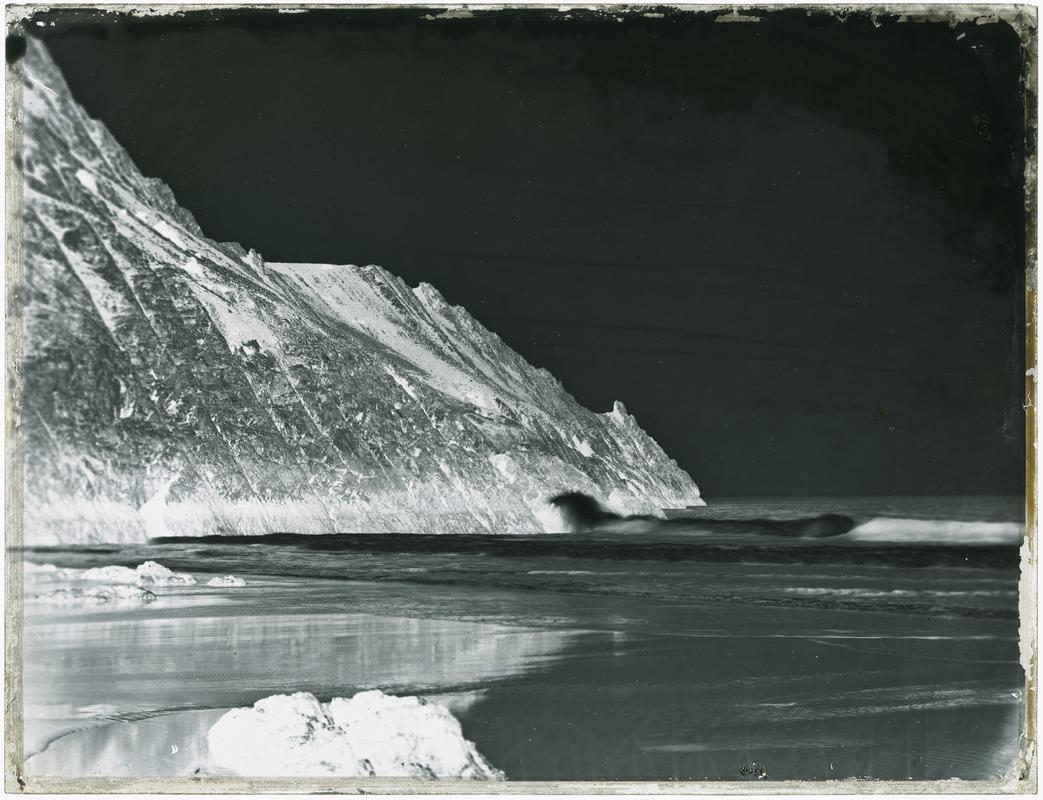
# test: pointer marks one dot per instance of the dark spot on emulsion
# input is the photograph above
(15, 48)
(73, 239)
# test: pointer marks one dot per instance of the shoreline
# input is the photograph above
(446, 660)
(615, 687)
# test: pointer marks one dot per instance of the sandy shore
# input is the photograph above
(132, 689)
(548, 685)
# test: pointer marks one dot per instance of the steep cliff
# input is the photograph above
(173, 384)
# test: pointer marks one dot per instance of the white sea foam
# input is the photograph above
(152, 512)
(559, 572)
(936, 531)
(550, 517)
(833, 591)
(370, 734)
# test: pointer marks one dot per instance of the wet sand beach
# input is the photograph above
(548, 684)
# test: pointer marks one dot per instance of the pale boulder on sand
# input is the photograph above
(371, 734)
(77, 595)
(109, 574)
(148, 573)
(227, 580)
(155, 573)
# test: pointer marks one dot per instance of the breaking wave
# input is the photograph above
(575, 512)
(940, 531)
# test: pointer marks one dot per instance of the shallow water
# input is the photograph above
(985, 508)
(576, 657)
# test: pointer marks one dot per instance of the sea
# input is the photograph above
(708, 647)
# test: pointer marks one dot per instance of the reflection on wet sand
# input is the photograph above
(164, 746)
(548, 685)
(117, 669)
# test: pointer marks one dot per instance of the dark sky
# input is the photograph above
(794, 249)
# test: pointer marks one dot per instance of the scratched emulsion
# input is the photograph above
(564, 657)
(815, 187)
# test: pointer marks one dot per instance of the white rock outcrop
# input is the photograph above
(91, 595)
(149, 573)
(230, 581)
(370, 734)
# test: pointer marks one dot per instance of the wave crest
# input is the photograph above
(893, 530)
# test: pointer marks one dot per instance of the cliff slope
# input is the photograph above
(178, 385)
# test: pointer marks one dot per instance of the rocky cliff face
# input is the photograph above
(177, 385)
